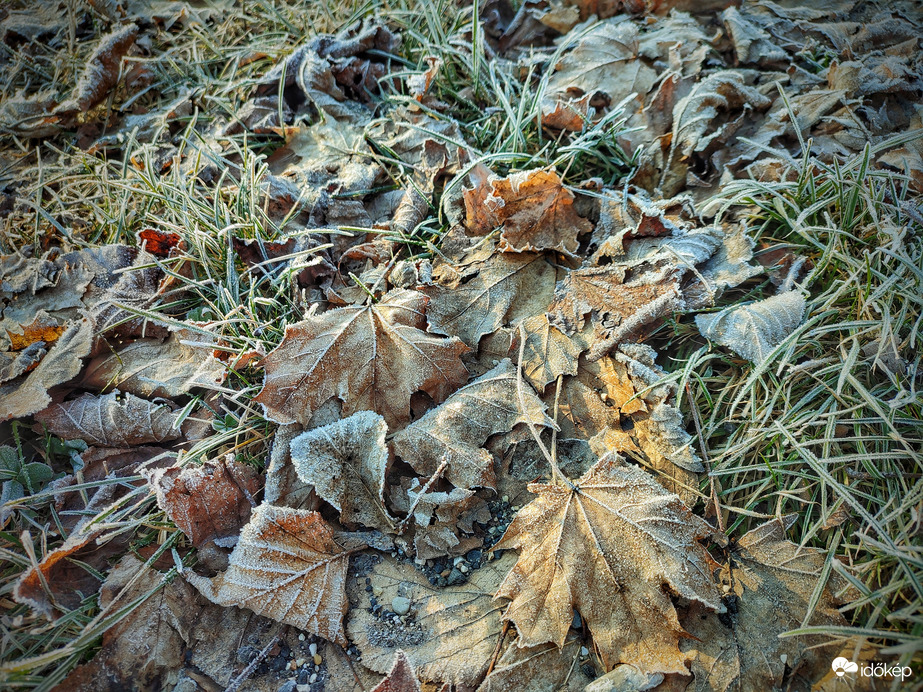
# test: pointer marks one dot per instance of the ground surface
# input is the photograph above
(569, 345)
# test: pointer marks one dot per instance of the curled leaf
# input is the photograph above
(111, 420)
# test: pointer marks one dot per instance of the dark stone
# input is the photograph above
(288, 686)
(441, 581)
(588, 670)
(277, 663)
(456, 577)
(303, 676)
(474, 557)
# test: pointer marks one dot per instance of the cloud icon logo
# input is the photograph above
(841, 666)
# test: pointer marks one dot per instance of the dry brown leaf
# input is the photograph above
(208, 502)
(533, 209)
(145, 650)
(772, 583)
(620, 304)
(44, 328)
(401, 678)
(287, 567)
(17, 363)
(154, 368)
(457, 430)
(490, 294)
(452, 633)
(58, 583)
(607, 545)
(346, 463)
(111, 420)
(605, 61)
(371, 358)
(542, 668)
(548, 352)
(102, 70)
(29, 393)
(283, 486)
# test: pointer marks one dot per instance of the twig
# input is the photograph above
(248, 671)
(555, 471)
(426, 486)
(493, 659)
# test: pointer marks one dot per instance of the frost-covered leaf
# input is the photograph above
(772, 584)
(371, 358)
(619, 304)
(287, 567)
(542, 668)
(346, 463)
(111, 420)
(605, 60)
(102, 69)
(154, 368)
(401, 678)
(533, 209)
(452, 633)
(490, 294)
(548, 352)
(29, 393)
(754, 330)
(457, 430)
(605, 545)
(208, 502)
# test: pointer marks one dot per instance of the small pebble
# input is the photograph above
(400, 605)
(445, 573)
(313, 678)
(317, 659)
(784, 658)
(576, 623)
(458, 561)
(506, 498)
(291, 665)
(463, 568)
(300, 662)
(584, 651)
(313, 648)
(301, 637)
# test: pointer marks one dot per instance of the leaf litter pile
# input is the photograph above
(540, 346)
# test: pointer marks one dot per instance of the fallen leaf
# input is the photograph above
(29, 393)
(605, 61)
(44, 328)
(283, 486)
(533, 209)
(14, 364)
(606, 545)
(207, 502)
(457, 430)
(754, 330)
(371, 358)
(401, 678)
(548, 352)
(287, 567)
(453, 631)
(619, 304)
(542, 668)
(154, 368)
(102, 70)
(111, 420)
(346, 463)
(772, 586)
(491, 293)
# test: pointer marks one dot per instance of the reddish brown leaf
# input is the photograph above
(401, 678)
(207, 502)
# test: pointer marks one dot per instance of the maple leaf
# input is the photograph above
(285, 566)
(111, 420)
(346, 462)
(773, 584)
(372, 358)
(605, 60)
(620, 304)
(533, 208)
(401, 677)
(456, 430)
(606, 545)
(548, 352)
(211, 501)
(453, 631)
(491, 293)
